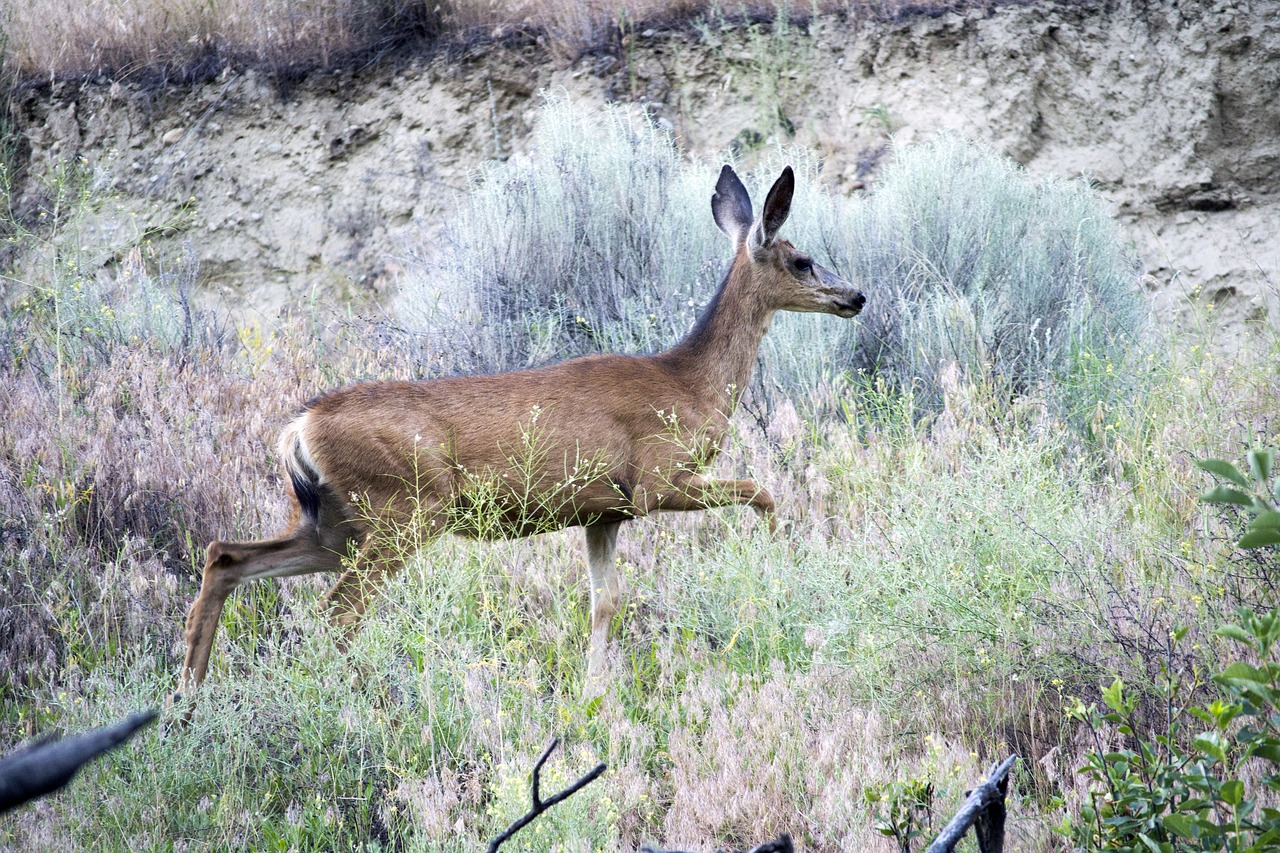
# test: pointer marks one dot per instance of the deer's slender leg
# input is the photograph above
(202, 620)
(399, 532)
(694, 493)
(228, 564)
(602, 549)
(346, 603)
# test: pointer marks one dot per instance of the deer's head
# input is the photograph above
(786, 278)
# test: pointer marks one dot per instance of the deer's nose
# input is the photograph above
(858, 300)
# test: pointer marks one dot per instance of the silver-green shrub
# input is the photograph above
(601, 239)
(968, 259)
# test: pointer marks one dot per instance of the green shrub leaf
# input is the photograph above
(1113, 696)
(1223, 469)
(1226, 495)
(1235, 632)
(1260, 538)
(1241, 671)
(1150, 844)
(1180, 825)
(1260, 464)
(1210, 744)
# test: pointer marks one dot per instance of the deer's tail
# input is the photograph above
(304, 475)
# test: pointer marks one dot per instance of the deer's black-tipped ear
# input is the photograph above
(731, 206)
(777, 206)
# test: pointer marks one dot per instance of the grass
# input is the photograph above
(950, 575)
(937, 600)
(189, 40)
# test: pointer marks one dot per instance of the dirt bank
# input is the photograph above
(1170, 109)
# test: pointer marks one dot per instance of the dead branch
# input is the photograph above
(47, 764)
(540, 805)
(983, 810)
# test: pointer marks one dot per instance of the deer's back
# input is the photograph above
(582, 437)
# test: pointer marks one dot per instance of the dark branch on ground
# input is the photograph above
(540, 805)
(983, 810)
(47, 764)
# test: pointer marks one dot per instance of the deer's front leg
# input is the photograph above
(693, 492)
(602, 550)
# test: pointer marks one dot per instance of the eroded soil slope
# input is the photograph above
(1169, 106)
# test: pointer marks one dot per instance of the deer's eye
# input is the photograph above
(803, 265)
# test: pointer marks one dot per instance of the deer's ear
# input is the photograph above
(777, 206)
(731, 206)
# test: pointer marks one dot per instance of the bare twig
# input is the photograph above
(48, 764)
(984, 810)
(540, 805)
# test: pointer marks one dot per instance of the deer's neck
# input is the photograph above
(718, 355)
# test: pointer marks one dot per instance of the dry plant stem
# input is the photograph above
(540, 805)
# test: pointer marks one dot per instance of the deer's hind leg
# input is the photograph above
(307, 548)
(227, 565)
(374, 563)
(395, 537)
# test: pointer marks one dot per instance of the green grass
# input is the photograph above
(954, 585)
(950, 573)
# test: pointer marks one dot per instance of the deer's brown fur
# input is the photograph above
(590, 442)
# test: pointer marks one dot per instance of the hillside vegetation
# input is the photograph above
(188, 40)
(989, 512)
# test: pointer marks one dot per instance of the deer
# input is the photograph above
(619, 437)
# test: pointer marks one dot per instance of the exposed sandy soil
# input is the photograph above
(1169, 106)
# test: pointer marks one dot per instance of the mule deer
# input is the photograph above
(619, 437)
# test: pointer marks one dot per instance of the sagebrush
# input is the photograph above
(600, 241)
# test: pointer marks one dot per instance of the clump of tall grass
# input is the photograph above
(601, 239)
(99, 372)
(119, 455)
(55, 39)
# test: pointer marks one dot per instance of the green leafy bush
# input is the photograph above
(1258, 494)
(902, 810)
(1181, 790)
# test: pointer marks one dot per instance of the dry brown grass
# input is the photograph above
(128, 442)
(186, 39)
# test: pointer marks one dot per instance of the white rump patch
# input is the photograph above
(294, 451)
